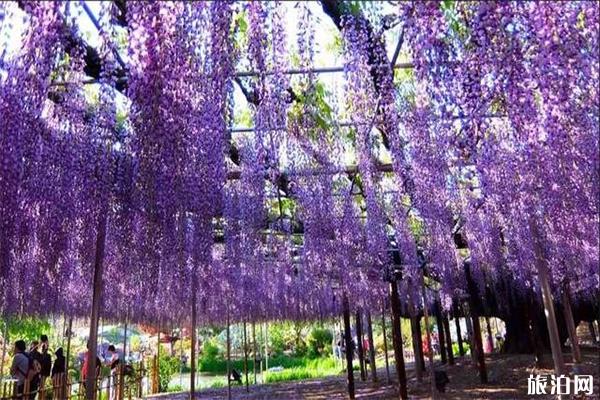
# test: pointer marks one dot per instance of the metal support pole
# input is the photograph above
(448, 340)
(441, 336)
(428, 335)
(69, 334)
(266, 351)
(254, 350)
(461, 348)
(490, 337)
(371, 347)
(566, 302)
(246, 358)
(478, 344)
(5, 340)
(414, 327)
(349, 347)
(542, 267)
(385, 346)
(361, 353)
(228, 357)
(397, 339)
(193, 347)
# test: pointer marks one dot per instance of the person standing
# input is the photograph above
(36, 358)
(20, 367)
(85, 366)
(59, 378)
(46, 366)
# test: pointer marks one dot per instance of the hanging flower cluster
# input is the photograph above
(499, 136)
(510, 92)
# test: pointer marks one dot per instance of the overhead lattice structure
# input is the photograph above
(272, 194)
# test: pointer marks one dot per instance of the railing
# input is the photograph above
(117, 386)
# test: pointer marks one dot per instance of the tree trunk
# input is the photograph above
(397, 336)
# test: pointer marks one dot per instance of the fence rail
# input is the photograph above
(117, 385)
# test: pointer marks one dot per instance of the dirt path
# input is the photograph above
(507, 375)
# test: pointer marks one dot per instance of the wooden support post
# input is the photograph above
(385, 346)
(371, 347)
(478, 347)
(440, 327)
(448, 340)
(542, 267)
(67, 388)
(122, 364)
(349, 347)
(490, 337)
(254, 350)
(361, 353)
(593, 332)
(461, 349)
(125, 343)
(193, 345)
(4, 342)
(246, 358)
(158, 361)
(266, 351)
(415, 329)
(397, 339)
(566, 303)
(228, 357)
(415, 346)
(90, 389)
(428, 336)
(420, 343)
(155, 375)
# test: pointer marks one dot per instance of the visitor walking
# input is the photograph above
(20, 366)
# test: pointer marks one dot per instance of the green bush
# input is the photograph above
(210, 350)
(167, 367)
(319, 341)
(456, 351)
(175, 388)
